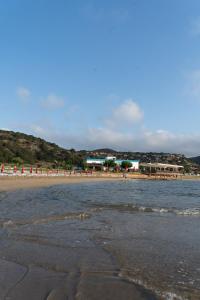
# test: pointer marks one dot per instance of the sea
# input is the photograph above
(127, 239)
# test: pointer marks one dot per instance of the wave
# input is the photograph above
(167, 295)
(97, 208)
(189, 212)
(148, 209)
(45, 220)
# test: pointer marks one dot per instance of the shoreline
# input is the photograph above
(9, 183)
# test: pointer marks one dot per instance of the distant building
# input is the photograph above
(135, 163)
(99, 162)
(161, 168)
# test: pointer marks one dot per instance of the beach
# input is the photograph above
(8, 183)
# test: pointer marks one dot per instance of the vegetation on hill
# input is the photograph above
(196, 159)
(105, 150)
(19, 148)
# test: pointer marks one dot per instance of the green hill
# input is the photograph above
(196, 159)
(21, 148)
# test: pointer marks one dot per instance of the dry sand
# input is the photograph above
(8, 183)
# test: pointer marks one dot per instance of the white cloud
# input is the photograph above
(106, 136)
(53, 102)
(131, 139)
(158, 141)
(145, 140)
(5, 129)
(102, 137)
(24, 94)
(162, 140)
(38, 130)
(125, 114)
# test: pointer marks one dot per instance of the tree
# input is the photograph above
(17, 161)
(187, 168)
(68, 164)
(126, 164)
(110, 163)
(72, 150)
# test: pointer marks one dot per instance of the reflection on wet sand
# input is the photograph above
(47, 271)
(59, 259)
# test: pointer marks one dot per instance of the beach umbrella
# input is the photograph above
(2, 168)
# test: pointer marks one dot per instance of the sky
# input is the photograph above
(93, 74)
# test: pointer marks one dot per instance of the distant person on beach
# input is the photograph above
(15, 169)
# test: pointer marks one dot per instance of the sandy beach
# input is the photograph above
(8, 183)
(19, 182)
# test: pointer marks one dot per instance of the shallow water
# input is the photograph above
(107, 240)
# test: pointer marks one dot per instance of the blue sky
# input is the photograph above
(89, 74)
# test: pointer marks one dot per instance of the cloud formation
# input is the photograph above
(39, 130)
(23, 93)
(144, 141)
(126, 114)
(135, 137)
(52, 102)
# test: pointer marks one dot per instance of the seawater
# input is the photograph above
(70, 240)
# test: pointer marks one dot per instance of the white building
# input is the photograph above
(161, 168)
(95, 162)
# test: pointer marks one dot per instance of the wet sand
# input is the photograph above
(36, 283)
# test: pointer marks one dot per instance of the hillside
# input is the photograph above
(21, 148)
(106, 151)
(196, 159)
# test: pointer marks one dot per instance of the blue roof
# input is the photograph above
(117, 160)
(93, 158)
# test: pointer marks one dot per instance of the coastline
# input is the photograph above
(9, 183)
